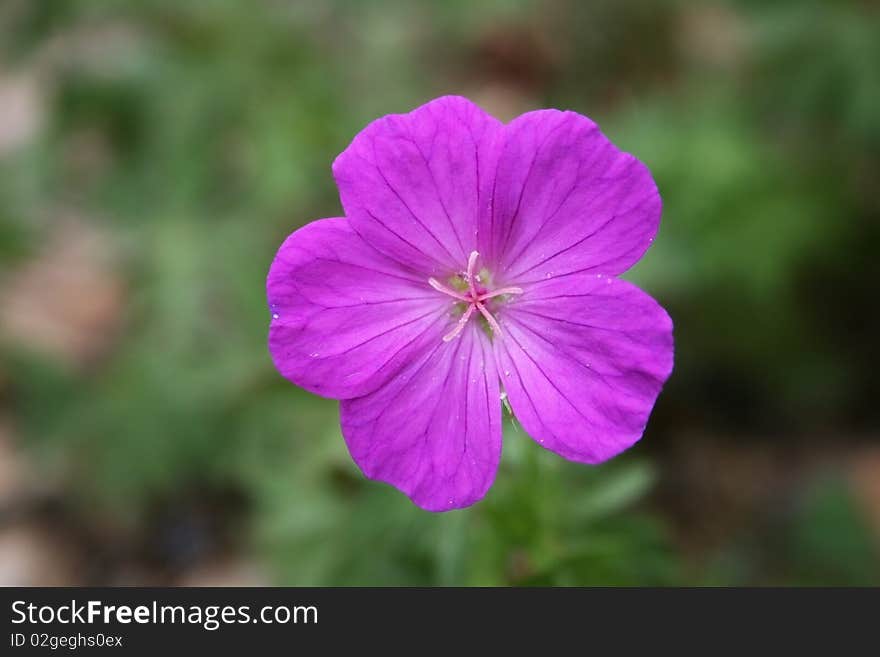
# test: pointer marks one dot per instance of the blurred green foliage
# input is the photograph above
(200, 134)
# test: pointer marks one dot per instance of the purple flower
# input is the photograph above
(475, 261)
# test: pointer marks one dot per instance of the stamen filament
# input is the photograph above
(471, 277)
(459, 327)
(437, 285)
(499, 292)
(496, 329)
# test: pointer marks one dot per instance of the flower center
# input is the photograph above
(474, 294)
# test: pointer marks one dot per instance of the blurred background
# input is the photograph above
(154, 154)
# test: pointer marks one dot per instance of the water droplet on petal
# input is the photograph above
(314, 354)
(506, 373)
(274, 315)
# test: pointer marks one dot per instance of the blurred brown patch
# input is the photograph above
(502, 101)
(721, 492)
(22, 110)
(865, 476)
(712, 36)
(68, 300)
(519, 56)
(715, 491)
(226, 571)
(32, 551)
(519, 565)
(32, 556)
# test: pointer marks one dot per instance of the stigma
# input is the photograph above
(475, 295)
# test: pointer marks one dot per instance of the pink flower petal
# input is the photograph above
(413, 185)
(434, 431)
(566, 200)
(582, 362)
(345, 318)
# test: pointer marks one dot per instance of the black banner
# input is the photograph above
(135, 621)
